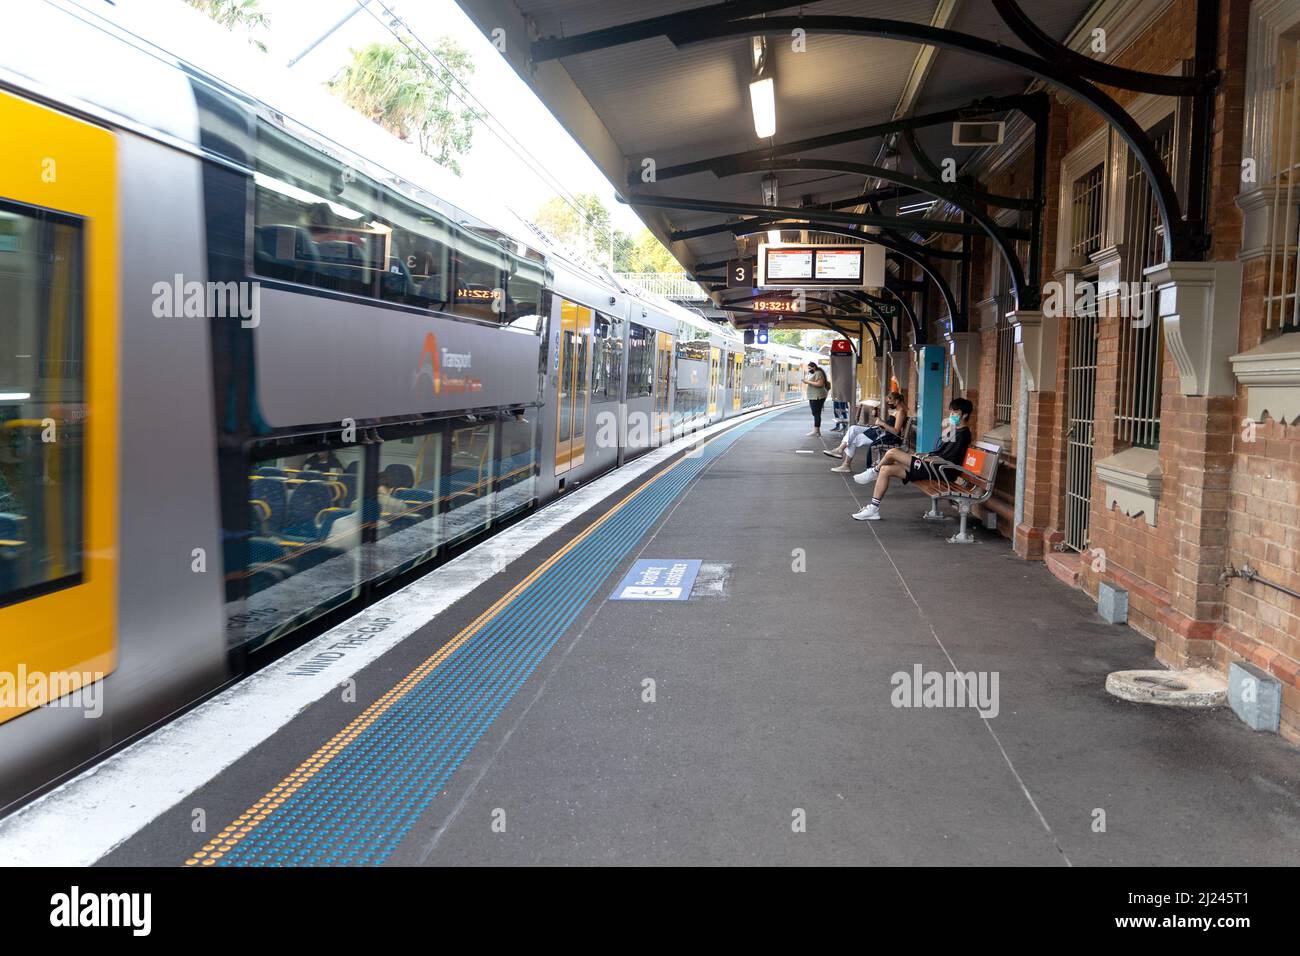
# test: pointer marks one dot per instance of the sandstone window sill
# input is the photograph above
(1132, 479)
(1271, 374)
(1001, 435)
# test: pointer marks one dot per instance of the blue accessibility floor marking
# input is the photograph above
(658, 579)
(361, 804)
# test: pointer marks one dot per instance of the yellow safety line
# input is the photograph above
(218, 846)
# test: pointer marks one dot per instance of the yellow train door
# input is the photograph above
(715, 367)
(663, 383)
(58, 415)
(738, 372)
(571, 420)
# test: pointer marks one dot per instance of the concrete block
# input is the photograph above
(1112, 603)
(1255, 696)
(990, 519)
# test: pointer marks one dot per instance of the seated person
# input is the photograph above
(885, 431)
(322, 461)
(345, 533)
(388, 482)
(942, 464)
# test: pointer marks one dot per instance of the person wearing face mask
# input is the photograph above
(942, 464)
(818, 386)
(886, 430)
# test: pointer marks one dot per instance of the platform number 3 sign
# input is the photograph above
(740, 274)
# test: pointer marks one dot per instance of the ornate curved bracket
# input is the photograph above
(1183, 239)
(968, 201)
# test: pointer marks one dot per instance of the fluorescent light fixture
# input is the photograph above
(916, 207)
(774, 237)
(762, 97)
(15, 396)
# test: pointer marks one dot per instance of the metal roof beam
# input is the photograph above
(1183, 239)
(998, 104)
(1107, 74)
(794, 212)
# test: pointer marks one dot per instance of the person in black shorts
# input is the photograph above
(942, 464)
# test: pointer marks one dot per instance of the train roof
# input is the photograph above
(132, 63)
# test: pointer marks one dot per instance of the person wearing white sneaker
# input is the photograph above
(870, 475)
(870, 513)
(936, 466)
(885, 431)
(818, 386)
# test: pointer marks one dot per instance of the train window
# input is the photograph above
(320, 223)
(480, 271)
(607, 364)
(692, 395)
(42, 401)
(470, 474)
(640, 361)
(517, 471)
(419, 257)
(308, 513)
(525, 291)
(409, 491)
(305, 229)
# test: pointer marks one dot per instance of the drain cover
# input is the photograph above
(1189, 688)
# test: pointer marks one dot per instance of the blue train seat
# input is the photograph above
(306, 501)
(274, 493)
(325, 520)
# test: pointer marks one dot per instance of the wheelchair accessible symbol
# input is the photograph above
(662, 579)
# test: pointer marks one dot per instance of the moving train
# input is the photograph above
(251, 379)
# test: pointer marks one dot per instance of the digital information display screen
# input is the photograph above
(790, 265)
(855, 266)
(842, 264)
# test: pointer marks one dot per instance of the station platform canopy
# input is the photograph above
(669, 99)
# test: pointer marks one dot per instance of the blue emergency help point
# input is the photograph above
(663, 579)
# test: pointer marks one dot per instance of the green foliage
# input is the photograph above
(410, 94)
(648, 254)
(585, 226)
(791, 337)
(233, 14)
(582, 225)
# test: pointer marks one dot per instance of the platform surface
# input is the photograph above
(772, 736)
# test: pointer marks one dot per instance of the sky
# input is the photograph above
(490, 166)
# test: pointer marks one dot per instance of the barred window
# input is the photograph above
(1281, 304)
(1086, 213)
(1005, 298)
(1141, 346)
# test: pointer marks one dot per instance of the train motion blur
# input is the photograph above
(251, 379)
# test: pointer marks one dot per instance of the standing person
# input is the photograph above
(942, 464)
(841, 412)
(843, 382)
(818, 386)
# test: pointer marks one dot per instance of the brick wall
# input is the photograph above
(1224, 500)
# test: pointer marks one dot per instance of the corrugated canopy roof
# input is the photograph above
(652, 99)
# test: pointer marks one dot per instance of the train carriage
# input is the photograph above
(263, 378)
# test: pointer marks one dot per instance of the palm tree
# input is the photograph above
(414, 96)
(236, 13)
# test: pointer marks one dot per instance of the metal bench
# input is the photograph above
(970, 486)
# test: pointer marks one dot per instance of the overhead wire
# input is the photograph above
(480, 110)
